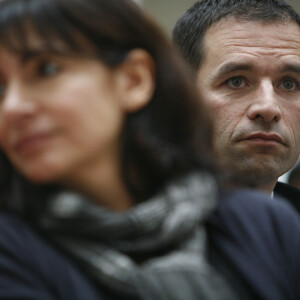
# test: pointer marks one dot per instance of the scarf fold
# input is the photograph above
(156, 250)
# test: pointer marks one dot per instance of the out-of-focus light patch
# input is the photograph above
(140, 2)
(284, 177)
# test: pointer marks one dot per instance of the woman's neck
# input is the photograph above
(103, 185)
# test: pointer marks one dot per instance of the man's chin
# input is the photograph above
(256, 172)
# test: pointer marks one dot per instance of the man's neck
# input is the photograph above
(268, 187)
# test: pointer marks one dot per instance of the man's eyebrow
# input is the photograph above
(293, 68)
(232, 67)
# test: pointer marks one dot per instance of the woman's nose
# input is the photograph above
(17, 106)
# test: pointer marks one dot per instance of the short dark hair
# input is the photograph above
(165, 139)
(190, 29)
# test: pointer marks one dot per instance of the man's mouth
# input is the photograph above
(264, 138)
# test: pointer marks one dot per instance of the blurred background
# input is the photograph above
(166, 12)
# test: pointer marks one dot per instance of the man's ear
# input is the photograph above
(136, 80)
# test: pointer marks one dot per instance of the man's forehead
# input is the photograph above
(232, 66)
(232, 21)
(231, 37)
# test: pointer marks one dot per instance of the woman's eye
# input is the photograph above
(289, 84)
(48, 69)
(236, 82)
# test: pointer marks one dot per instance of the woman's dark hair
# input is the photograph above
(172, 134)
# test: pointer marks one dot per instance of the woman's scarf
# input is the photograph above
(156, 250)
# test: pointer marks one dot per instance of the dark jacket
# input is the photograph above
(288, 192)
(26, 274)
(254, 242)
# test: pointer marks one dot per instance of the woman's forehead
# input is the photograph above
(32, 42)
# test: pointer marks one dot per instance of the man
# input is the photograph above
(246, 54)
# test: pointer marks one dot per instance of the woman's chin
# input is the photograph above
(41, 176)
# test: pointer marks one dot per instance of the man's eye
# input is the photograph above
(236, 82)
(289, 84)
(48, 69)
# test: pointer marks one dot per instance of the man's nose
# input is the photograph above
(17, 106)
(265, 104)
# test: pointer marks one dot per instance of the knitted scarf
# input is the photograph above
(156, 250)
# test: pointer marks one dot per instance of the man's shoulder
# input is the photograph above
(250, 200)
(256, 212)
(255, 240)
(289, 193)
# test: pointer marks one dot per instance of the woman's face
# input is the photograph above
(59, 116)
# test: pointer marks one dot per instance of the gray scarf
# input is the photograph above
(156, 250)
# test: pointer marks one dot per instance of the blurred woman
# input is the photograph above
(108, 140)
(106, 173)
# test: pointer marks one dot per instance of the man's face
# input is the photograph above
(250, 78)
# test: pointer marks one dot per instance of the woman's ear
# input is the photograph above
(136, 80)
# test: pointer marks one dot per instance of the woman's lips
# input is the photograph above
(31, 144)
